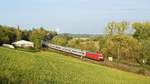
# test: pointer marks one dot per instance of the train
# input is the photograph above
(82, 53)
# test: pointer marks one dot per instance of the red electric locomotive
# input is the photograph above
(95, 56)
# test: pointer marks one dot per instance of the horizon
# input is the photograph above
(72, 16)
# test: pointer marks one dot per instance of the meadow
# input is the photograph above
(21, 67)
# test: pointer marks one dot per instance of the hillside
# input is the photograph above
(47, 67)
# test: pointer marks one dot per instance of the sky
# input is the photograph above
(72, 16)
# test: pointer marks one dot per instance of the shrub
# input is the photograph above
(148, 61)
(141, 71)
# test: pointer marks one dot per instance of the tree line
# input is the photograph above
(117, 42)
(11, 34)
(130, 47)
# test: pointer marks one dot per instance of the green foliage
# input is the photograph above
(4, 38)
(122, 47)
(49, 36)
(18, 34)
(116, 27)
(74, 43)
(116, 40)
(142, 30)
(7, 34)
(37, 35)
(102, 42)
(61, 39)
(142, 33)
(144, 52)
(148, 61)
(25, 35)
(84, 44)
(125, 47)
(19, 67)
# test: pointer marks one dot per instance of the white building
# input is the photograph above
(23, 43)
(8, 46)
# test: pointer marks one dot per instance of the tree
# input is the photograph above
(110, 28)
(7, 34)
(144, 52)
(115, 35)
(37, 35)
(142, 33)
(142, 30)
(18, 34)
(25, 35)
(84, 44)
(49, 36)
(74, 43)
(113, 27)
(61, 39)
(3, 36)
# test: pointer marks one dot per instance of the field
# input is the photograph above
(20, 67)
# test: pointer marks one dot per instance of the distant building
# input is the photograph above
(23, 43)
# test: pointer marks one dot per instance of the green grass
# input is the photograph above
(20, 67)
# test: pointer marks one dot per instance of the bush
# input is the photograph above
(148, 61)
(141, 71)
(61, 39)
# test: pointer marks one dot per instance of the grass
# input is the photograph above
(20, 67)
(28, 49)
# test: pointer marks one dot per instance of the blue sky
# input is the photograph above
(72, 16)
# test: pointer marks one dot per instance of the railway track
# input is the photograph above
(76, 56)
(107, 63)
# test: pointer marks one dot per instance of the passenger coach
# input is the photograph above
(83, 53)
